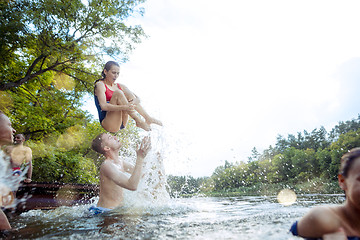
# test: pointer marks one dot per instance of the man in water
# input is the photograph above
(20, 156)
(6, 137)
(113, 177)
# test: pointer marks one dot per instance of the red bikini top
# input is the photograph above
(109, 92)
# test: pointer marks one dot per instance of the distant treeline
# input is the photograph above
(306, 157)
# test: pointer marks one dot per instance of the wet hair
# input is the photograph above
(347, 160)
(96, 144)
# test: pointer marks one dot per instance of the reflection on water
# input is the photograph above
(188, 218)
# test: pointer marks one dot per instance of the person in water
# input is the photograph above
(6, 137)
(113, 177)
(336, 222)
(115, 102)
(20, 156)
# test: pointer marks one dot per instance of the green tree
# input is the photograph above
(344, 127)
(63, 36)
(51, 53)
(68, 157)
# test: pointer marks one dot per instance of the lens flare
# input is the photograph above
(63, 81)
(286, 197)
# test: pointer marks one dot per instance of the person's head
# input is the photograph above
(105, 142)
(6, 130)
(111, 70)
(347, 160)
(349, 174)
(19, 138)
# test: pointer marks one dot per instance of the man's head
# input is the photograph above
(105, 142)
(19, 138)
(6, 130)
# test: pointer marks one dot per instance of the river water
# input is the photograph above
(150, 213)
(246, 217)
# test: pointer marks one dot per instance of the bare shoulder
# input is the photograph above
(99, 85)
(106, 166)
(109, 168)
(319, 221)
(27, 149)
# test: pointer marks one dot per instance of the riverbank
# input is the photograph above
(314, 186)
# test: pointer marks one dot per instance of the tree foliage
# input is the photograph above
(68, 157)
(62, 36)
(51, 52)
(309, 156)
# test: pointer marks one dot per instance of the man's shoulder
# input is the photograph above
(107, 164)
(27, 148)
(22, 148)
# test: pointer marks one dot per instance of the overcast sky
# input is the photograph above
(227, 76)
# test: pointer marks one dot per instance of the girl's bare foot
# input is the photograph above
(143, 125)
(154, 121)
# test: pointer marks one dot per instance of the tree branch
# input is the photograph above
(29, 76)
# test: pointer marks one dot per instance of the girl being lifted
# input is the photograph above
(115, 102)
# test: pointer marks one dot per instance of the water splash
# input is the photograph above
(8, 183)
(152, 190)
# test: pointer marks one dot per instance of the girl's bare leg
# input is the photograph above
(113, 120)
(148, 119)
(125, 118)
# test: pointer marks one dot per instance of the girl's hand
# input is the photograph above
(130, 107)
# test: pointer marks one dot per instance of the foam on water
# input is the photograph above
(151, 197)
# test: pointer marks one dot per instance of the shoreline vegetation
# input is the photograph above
(306, 163)
(315, 186)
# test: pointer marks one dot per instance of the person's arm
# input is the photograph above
(318, 222)
(29, 163)
(105, 106)
(128, 167)
(29, 173)
(121, 178)
(4, 223)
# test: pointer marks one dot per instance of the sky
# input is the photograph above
(227, 76)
